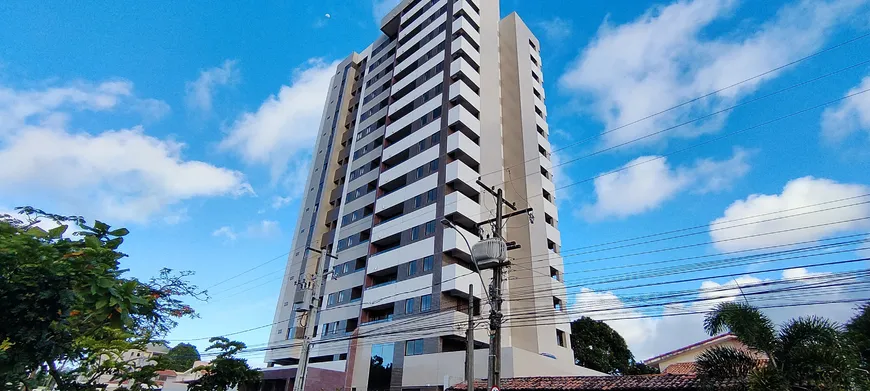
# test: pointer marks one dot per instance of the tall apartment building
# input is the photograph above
(449, 93)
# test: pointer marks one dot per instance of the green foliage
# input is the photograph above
(181, 357)
(858, 329)
(597, 346)
(225, 371)
(809, 353)
(65, 299)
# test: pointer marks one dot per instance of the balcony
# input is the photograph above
(459, 146)
(462, 25)
(412, 139)
(455, 245)
(455, 280)
(406, 192)
(409, 165)
(463, 177)
(403, 222)
(416, 92)
(459, 206)
(414, 115)
(542, 140)
(419, 53)
(461, 119)
(460, 69)
(465, 6)
(432, 26)
(465, 96)
(415, 287)
(392, 258)
(461, 46)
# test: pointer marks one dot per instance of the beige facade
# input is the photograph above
(449, 93)
(681, 361)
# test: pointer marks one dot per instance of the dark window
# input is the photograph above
(330, 300)
(430, 227)
(433, 165)
(409, 306)
(341, 296)
(418, 201)
(431, 195)
(560, 338)
(425, 303)
(415, 233)
(412, 268)
(381, 367)
(420, 172)
(414, 347)
(435, 138)
(428, 262)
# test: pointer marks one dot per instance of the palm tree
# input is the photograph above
(807, 353)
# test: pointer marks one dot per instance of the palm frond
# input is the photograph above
(816, 352)
(748, 323)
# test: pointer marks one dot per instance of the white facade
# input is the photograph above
(449, 94)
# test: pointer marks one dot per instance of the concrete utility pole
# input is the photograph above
(310, 322)
(469, 341)
(495, 314)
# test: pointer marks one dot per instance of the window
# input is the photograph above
(431, 195)
(560, 338)
(409, 306)
(418, 201)
(346, 267)
(422, 144)
(341, 296)
(433, 165)
(330, 300)
(554, 273)
(326, 328)
(335, 327)
(428, 262)
(435, 137)
(415, 233)
(412, 268)
(557, 304)
(425, 303)
(430, 227)
(414, 347)
(420, 172)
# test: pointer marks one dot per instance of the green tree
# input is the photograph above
(597, 346)
(68, 308)
(808, 353)
(181, 357)
(226, 370)
(858, 330)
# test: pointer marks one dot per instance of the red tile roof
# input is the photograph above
(589, 383)
(680, 368)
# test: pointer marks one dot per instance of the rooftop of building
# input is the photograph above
(710, 341)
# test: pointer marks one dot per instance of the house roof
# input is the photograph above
(167, 372)
(718, 338)
(680, 368)
(588, 383)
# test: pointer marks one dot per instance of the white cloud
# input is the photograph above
(285, 125)
(651, 334)
(226, 232)
(556, 28)
(646, 184)
(381, 8)
(120, 175)
(279, 202)
(850, 116)
(261, 229)
(666, 57)
(200, 92)
(796, 193)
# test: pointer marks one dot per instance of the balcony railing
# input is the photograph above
(388, 318)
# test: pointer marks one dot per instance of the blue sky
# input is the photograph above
(190, 124)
